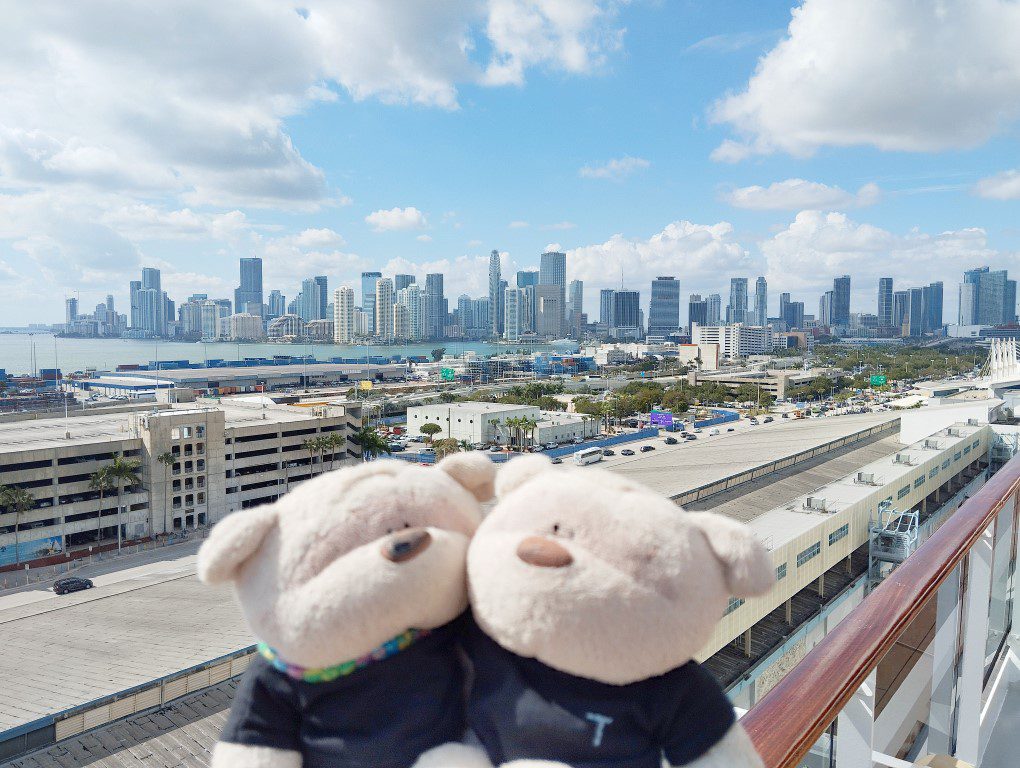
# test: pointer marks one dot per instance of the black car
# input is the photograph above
(729, 429)
(608, 452)
(71, 584)
(647, 448)
(626, 452)
(671, 441)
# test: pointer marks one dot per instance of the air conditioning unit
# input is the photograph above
(972, 422)
(903, 458)
(815, 503)
(954, 432)
(932, 444)
(865, 478)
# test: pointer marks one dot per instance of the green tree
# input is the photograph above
(437, 354)
(167, 459)
(101, 481)
(370, 442)
(430, 430)
(445, 447)
(123, 472)
(314, 446)
(18, 501)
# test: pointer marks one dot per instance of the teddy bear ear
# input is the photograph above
(473, 470)
(232, 541)
(746, 563)
(517, 472)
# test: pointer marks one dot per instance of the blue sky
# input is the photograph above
(705, 140)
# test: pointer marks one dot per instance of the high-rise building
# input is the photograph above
(791, 312)
(885, 302)
(323, 289)
(70, 312)
(714, 302)
(626, 313)
(736, 310)
(465, 313)
(400, 282)
(515, 302)
(575, 306)
(606, 304)
(248, 295)
(413, 298)
(401, 322)
(310, 306)
(987, 297)
(900, 301)
(133, 318)
(664, 307)
(212, 312)
(277, 304)
(840, 310)
(384, 309)
(825, 316)
(913, 325)
(435, 306)
(496, 298)
(151, 279)
(931, 299)
(480, 310)
(343, 315)
(697, 310)
(761, 302)
(549, 321)
(552, 270)
(368, 297)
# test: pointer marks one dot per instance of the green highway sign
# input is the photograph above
(878, 380)
(446, 374)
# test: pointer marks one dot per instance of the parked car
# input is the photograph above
(625, 452)
(713, 432)
(730, 429)
(697, 431)
(608, 452)
(647, 448)
(538, 448)
(671, 441)
(495, 449)
(769, 419)
(691, 437)
(557, 460)
(550, 446)
(71, 584)
(578, 440)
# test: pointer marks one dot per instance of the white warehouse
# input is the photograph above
(486, 422)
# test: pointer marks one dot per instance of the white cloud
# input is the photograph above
(318, 239)
(733, 42)
(396, 219)
(893, 74)
(615, 169)
(518, 225)
(798, 194)
(1001, 186)
(560, 225)
(474, 243)
(424, 238)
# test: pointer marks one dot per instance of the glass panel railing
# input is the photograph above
(1000, 603)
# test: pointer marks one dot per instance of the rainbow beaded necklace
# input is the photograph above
(328, 674)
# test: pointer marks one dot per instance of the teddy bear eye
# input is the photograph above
(407, 525)
(556, 527)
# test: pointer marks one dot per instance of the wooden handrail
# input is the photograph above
(791, 717)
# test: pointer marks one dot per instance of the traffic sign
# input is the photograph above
(878, 380)
(446, 374)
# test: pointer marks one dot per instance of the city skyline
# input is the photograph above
(326, 169)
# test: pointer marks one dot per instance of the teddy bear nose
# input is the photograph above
(545, 553)
(406, 545)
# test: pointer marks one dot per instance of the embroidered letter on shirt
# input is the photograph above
(601, 721)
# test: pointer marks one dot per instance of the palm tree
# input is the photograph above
(101, 481)
(371, 443)
(167, 459)
(123, 472)
(494, 423)
(530, 425)
(17, 500)
(445, 447)
(333, 441)
(313, 445)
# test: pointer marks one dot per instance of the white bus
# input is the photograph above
(587, 456)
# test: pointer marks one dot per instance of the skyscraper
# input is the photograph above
(322, 288)
(552, 270)
(515, 303)
(435, 312)
(664, 307)
(697, 310)
(400, 282)
(913, 324)
(987, 297)
(496, 300)
(575, 306)
(368, 297)
(885, 302)
(606, 304)
(70, 311)
(627, 314)
(277, 304)
(549, 321)
(714, 302)
(931, 301)
(249, 292)
(825, 309)
(413, 298)
(310, 300)
(384, 309)
(840, 310)
(761, 302)
(900, 302)
(150, 278)
(343, 314)
(736, 310)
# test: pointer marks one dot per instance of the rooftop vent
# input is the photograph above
(932, 444)
(815, 503)
(865, 478)
(972, 422)
(904, 458)
(954, 432)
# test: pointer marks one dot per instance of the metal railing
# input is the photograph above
(951, 580)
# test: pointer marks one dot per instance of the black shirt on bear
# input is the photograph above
(520, 708)
(381, 716)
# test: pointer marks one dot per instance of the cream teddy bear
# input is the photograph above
(352, 582)
(592, 595)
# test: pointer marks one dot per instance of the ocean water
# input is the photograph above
(23, 353)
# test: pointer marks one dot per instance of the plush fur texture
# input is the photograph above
(645, 588)
(243, 756)
(454, 756)
(309, 570)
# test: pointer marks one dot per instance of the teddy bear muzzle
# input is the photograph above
(406, 545)
(544, 553)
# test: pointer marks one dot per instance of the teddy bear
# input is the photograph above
(353, 584)
(591, 595)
